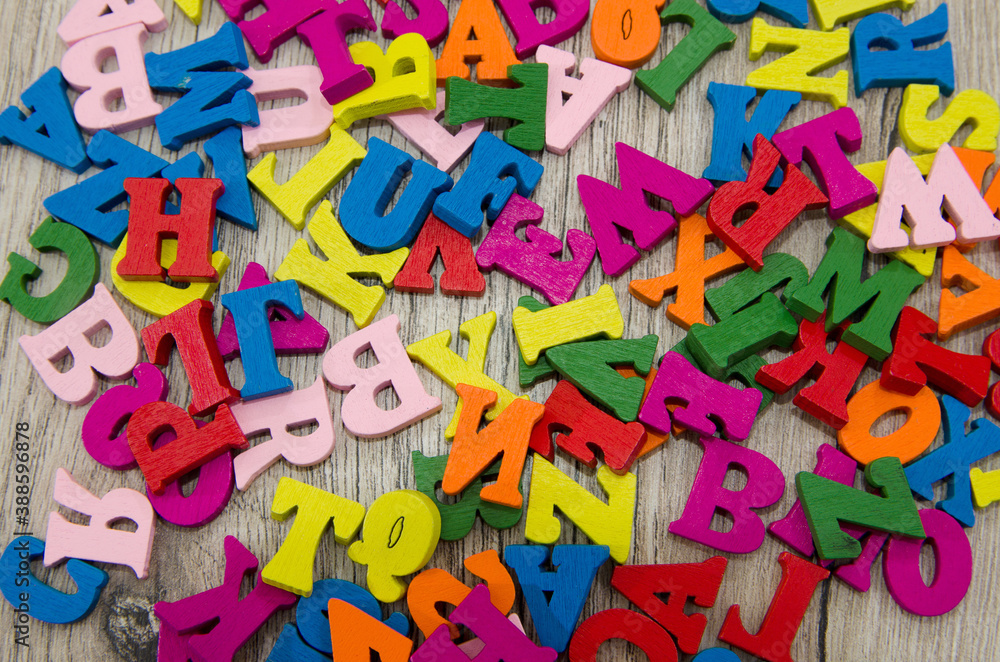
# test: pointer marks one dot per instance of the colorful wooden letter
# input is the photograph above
(883, 294)
(399, 536)
(193, 447)
(192, 227)
(531, 33)
(580, 426)
(71, 336)
(626, 32)
(477, 36)
(764, 486)
(190, 330)
(772, 213)
(282, 20)
(795, 12)
(291, 569)
(610, 208)
(793, 528)
(209, 498)
(313, 621)
(835, 372)
(823, 143)
(110, 413)
(213, 97)
(599, 82)
(326, 34)
(975, 107)
(435, 354)
(461, 275)
(288, 335)
(431, 21)
(473, 452)
(913, 437)
(590, 366)
(97, 541)
(827, 503)
(404, 79)
(991, 349)
(952, 567)
(529, 374)
(82, 273)
(905, 195)
(534, 261)
(82, 67)
(191, 9)
(50, 131)
(733, 134)
(481, 184)
(698, 582)
(895, 60)
(773, 641)
(691, 272)
(604, 523)
(749, 318)
(367, 634)
(863, 220)
(278, 416)
(980, 302)
(916, 361)
(434, 586)
(304, 189)
(809, 52)
(41, 601)
(953, 460)
(707, 37)
(304, 124)
(333, 278)
(642, 631)
(555, 598)
(289, 647)
(985, 487)
(524, 104)
(718, 654)
(225, 151)
(359, 412)
(829, 13)
(217, 621)
(458, 517)
(250, 313)
(580, 319)
(362, 206)
(502, 639)
(707, 406)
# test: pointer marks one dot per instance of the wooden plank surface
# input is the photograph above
(840, 624)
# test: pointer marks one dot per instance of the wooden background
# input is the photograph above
(840, 624)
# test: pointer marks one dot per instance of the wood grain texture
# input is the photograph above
(839, 624)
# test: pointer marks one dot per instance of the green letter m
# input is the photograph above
(839, 273)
